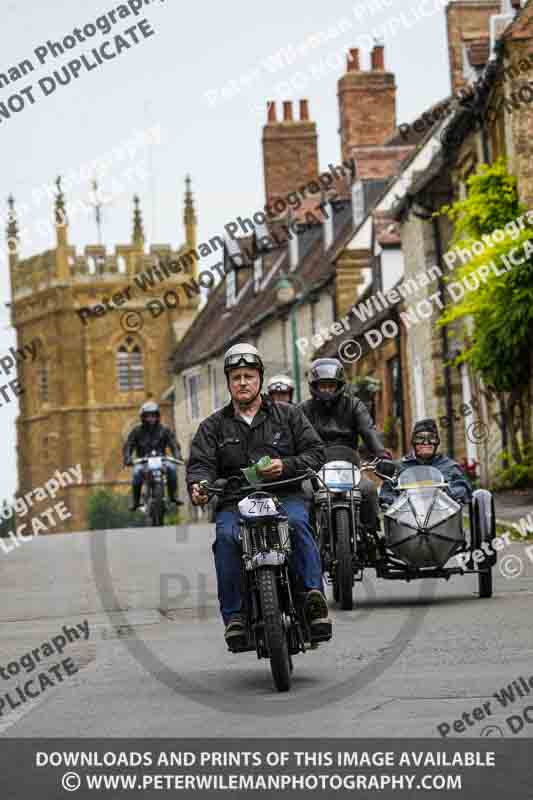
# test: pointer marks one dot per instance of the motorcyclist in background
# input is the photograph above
(425, 440)
(248, 427)
(280, 389)
(143, 440)
(340, 418)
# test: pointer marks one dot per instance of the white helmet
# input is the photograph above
(280, 383)
(243, 355)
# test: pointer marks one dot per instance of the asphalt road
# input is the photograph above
(408, 658)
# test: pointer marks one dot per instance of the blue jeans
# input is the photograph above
(304, 560)
(172, 476)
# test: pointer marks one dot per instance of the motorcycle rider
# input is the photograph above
(144, 439)
(340, 418)
(425, 440)
(280, 388)
(248, 427)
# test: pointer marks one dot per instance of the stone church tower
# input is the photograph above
(82, 393)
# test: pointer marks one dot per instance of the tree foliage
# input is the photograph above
(498, 315)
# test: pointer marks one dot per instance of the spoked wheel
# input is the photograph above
(343, 584)
(275, 634)
(156, 505)
(483, 531)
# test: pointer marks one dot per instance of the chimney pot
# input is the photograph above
(353, 60)
(304, 110)
(271, 110)
(378, 57)
(287, 111)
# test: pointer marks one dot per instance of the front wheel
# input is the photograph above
(156, 505)
(344, 566)
(275, 634)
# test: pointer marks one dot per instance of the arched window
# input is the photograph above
(130, 369)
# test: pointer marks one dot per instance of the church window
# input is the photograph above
(130, 368)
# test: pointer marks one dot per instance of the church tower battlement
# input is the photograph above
(82, 393)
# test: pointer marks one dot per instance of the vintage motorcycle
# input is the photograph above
(273, 600)
(153, 503)
(423, 527)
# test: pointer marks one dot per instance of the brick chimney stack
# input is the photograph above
(466, 20)
(367, 104)
(290, 150)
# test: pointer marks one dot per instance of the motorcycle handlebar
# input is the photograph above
(211, 489)
(144, 459)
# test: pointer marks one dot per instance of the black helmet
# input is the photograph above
(428, 427)
(149, 408)
(326, 369)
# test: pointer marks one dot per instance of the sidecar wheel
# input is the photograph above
(344, 567)
(483, 532)
(485, 582)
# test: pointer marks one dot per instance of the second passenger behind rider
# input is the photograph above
(340, 418)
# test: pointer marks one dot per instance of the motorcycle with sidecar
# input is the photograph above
(423, 528)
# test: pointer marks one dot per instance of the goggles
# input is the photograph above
(280, 387)
(425, 438)
(242, 360)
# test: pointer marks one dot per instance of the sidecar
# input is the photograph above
(424, 529)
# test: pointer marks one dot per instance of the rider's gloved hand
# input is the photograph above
(198, 497)
(274, 469)
(128, 462)
(386, 454)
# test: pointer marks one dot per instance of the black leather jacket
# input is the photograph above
(224, 443)
(343, 422)
(145, 438)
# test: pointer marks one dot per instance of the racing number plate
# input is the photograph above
(260, 507)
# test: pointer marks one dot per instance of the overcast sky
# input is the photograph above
(164, 81)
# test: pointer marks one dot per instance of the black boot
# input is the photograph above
(136, 495)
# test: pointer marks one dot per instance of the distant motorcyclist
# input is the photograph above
(143, 440)
(425, 440)
(340, 418)
(248, 427)
(280, 389)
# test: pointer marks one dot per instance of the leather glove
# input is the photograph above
(386, 454)
(128, 462)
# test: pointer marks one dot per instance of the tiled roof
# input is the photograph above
(216, 327)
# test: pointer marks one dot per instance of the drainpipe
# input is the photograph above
(445, 345)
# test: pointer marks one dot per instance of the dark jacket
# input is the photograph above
(343, 422)
(224, 444)
(459, 486)
(144, 438)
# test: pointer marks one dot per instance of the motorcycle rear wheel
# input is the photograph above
(275, 634)
(344, 566)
